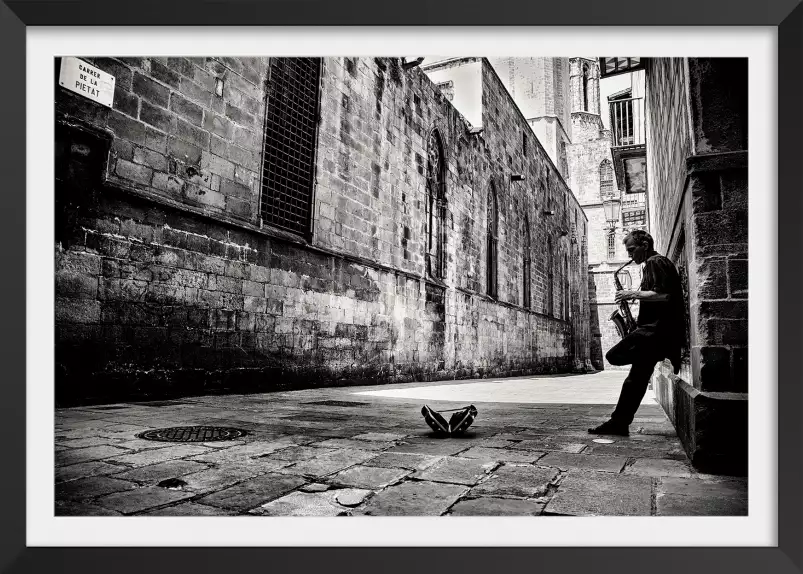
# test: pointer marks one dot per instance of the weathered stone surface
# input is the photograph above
(329, 463)
(549, 444)
(88, 441)
(253, 492)
(659, 467)
(414, 498)
(156, 472)
(309, 504)
(379, 436)
(160, 455)
(242, 452)
(101, 452)
(598, 494)
(457, 470)
(300, 453)
(374, 478)
(315, 487)
(188, 509)
(501, 455)
(433, 447)
(91, 487)
(131, 501)
(84, 469)
(523, 481)
(584, 461)
(699, 497)
(403, 460)
(355, 444)
(489, 506)
(67, 508)
(217, 478)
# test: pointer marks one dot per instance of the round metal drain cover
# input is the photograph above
(192, 434)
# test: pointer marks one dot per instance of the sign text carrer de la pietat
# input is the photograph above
(87, 80)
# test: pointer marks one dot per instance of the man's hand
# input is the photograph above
(625, 295)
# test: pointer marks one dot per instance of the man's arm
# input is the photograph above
(646, 295)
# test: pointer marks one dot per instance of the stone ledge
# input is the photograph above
(716, 162)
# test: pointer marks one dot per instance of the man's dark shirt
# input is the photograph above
(662, 324)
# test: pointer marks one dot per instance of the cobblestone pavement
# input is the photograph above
(367, 451)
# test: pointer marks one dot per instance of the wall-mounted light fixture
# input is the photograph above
(549, 212)
(516, 177)
(219, 87)
(409, 65)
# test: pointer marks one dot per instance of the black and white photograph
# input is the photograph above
(401, 286)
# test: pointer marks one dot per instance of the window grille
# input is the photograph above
(611, 244)
(634, 218)
(290, 137)
(605, 177)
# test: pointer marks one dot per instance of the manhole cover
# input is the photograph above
(337, 403)
(192, 434)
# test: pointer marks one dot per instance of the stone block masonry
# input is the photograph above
(167, 284)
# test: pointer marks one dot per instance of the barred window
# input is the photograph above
(634, 218)
(436, 207)
(605, 177)
(491, 243)
(291, 122)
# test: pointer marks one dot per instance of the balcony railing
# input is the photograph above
(627, 122)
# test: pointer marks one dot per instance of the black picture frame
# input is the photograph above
(15, 15)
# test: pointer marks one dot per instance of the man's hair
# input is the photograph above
(640, 236)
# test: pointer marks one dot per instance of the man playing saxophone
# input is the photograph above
(659, 332)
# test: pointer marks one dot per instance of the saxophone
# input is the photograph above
(622, 317)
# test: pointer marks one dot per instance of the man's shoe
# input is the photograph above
(610, 427)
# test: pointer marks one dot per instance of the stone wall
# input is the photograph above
(167, 284)
(699, 211)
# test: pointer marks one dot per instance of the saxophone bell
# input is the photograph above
(622, 318)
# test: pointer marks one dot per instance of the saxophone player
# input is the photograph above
(659, 333)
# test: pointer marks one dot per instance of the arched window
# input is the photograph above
(605, 177)
(436, 208)
(586, 74)
(491, 239)
(526, 263)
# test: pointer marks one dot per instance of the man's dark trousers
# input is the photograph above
(632, 351)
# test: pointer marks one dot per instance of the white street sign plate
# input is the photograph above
(87, 80)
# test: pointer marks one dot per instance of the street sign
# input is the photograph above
(87, 80)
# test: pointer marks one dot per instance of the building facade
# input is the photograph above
(272, 223)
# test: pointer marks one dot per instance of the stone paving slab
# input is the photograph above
(435, 447)
(91, 487)
(252, 492)
(300, 453)
(600, 494)
(188, 509)
(455, 470)
(147, 457)
(313, 504)
(75, 456)
(67, 508)
(379, 436)
(354, 444)
(690, 497)
(154, 473)
(490, 506)
(523, 481)
(330, 463)
(84, 469)
(241, 452)
(501, 455)
(414, 498)
(585, 461)
(131, 501)
(217, 478)
(403, 460)
(657, 467)
(374, 478)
